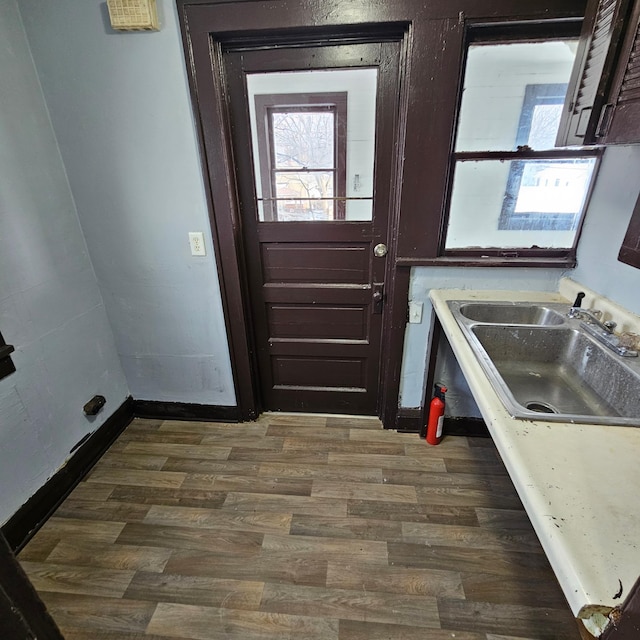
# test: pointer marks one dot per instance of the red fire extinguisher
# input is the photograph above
(436, 415)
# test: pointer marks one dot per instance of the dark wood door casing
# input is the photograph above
(432, 36)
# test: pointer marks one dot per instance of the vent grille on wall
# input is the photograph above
(133, 15)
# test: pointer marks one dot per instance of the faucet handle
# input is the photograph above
(578, 301)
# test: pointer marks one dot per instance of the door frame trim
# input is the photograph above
(225, 228)
(224, 213)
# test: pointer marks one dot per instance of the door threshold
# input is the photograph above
(319, 415)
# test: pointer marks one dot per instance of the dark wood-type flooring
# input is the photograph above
(306, 527)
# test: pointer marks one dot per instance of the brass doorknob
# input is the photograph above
(380, 250)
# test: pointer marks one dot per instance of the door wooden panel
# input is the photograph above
(320, 347)
(313, 285)
(294, 373)
(317, 294)
(318, 321)
(315, 262)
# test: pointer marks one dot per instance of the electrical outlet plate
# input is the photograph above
(196, 242)
(415, 312)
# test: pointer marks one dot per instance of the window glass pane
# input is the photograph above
(550, 194)
(307, 131)
(303, 140)
(540, 209)
(513, 95)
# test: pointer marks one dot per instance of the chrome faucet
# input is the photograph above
(592, 316)
(602, 331)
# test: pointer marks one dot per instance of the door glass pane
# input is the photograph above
(313, 138)
(305, 210)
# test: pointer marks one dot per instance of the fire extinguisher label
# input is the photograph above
(439, 429)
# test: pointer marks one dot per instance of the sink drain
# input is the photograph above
(541, 407)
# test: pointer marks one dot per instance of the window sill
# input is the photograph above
(489, 261)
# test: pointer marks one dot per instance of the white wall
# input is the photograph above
(610, 210)
(50, 306)
(120, 107)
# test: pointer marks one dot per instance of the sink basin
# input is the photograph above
(543, 365)
(511, 314)
(560, 373)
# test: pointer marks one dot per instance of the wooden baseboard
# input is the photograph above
(19, 529)
(184, 411)
(474, 427)
(412, 421)
(409, 420)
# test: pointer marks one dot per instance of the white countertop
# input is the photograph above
(579, 483)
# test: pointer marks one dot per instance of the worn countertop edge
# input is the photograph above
(564, 558)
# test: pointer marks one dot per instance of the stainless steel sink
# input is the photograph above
(552, 372)
(511, 314)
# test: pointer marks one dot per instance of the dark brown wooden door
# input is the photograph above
(316, 286)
